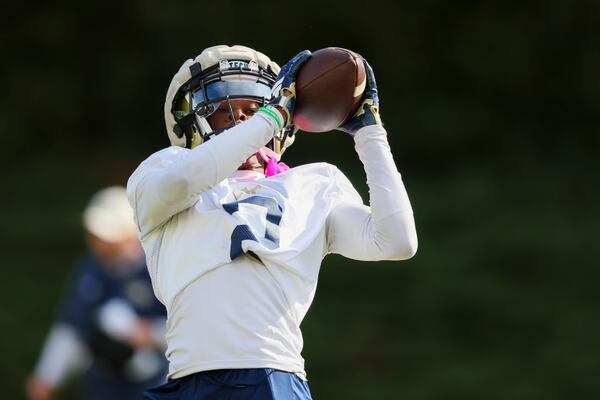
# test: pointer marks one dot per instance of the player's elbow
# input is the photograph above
(396, 236)
(410, 248)
(174, 187)
(401, 247)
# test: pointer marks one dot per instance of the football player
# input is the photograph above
(109, 324)
(234, 239)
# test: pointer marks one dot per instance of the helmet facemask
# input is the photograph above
(202, 94)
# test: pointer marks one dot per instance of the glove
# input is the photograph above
(368, 111)
(283, 94)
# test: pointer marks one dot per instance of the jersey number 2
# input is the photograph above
(243, 232)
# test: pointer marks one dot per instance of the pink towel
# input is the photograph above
(273, 167)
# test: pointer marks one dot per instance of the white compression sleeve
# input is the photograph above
(63, 353)
(386, 229)
(158, 194)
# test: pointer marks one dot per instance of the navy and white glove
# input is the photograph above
(368, 111)
(283, 93)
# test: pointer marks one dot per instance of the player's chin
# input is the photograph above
(253, 163)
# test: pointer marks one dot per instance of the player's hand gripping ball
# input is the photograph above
(329, 89)
(368, 111)
(284, 89)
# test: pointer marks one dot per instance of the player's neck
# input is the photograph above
(253, 163)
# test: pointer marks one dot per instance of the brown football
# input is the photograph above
(329, 88)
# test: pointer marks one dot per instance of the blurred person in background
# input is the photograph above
(109, 323)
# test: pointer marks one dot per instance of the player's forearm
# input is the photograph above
(391, 212)
(171, 188)
(63, 353)
(203, 167)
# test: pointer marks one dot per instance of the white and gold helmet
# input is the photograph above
(218, 73)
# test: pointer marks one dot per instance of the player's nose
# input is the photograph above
(239, 115)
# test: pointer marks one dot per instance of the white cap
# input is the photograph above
(109, 216)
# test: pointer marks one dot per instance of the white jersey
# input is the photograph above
(235, 256)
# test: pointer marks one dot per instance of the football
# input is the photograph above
(329, 88)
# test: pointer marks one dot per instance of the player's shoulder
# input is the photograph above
(325, 170)
(319, 168)
(87, 263)
(318, 175)
(87, 273)
(330, 176)
(156, 161)
(162, 158)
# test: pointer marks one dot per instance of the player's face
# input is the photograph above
(115, 253)
(242, 110)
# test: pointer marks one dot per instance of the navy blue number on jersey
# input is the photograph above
(243, 232)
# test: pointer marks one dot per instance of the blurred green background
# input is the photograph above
(492, 109)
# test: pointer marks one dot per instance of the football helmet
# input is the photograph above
(219, 73)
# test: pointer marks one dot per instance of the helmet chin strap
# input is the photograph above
(273, 167)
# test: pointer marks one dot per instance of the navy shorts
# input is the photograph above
(233, 384)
